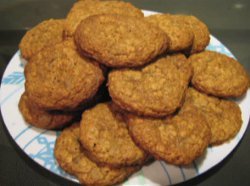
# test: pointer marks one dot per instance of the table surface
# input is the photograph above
(226, 19)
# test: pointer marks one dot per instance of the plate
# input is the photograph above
(38, 144)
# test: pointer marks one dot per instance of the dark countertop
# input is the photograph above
(228, 20)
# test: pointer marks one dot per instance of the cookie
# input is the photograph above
(155, 90)
(71, 158)
(104, 135)
(86, 8)
(218, 74)
(45, 34)
(43, 119)
(199, 29)
(178, 140)
(120, 41)
(223, 116)
(58, 78)
(180, 35)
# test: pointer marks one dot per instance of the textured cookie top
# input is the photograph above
(223, 116)
(84, 9)
(59, 78)
(105, 137)
(155, 90)
(199, 29)
(40, 118)
(45, 34)
(177, 140)
(218, 74)
(71, 158)
(120, 41)
(181, 36)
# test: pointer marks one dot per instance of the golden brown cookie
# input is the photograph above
(43, 119)
(181, 36)
(199, 29)
(86, 8)
(223, 116)
(67, 147)
(177, 140)
(71, 158)
(45, 34)
(120, 41)
(155, 90)
(58, 78)
(104, 135)
(218, 74)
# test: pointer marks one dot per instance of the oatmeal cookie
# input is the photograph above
(178, 140)
(120, 41)
(71, 158)
(223, 116)
(218, 74)
(43, 119)
(58, 78)
(104, 135)
(155, 90)
(86, 8)
(199, 29)
(181, 36)
(45, 34)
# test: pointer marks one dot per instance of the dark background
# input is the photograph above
(228, 20)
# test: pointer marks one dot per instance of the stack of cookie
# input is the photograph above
(168, 97)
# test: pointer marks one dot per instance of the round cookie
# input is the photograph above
(45, 34)
(71, 158)
(58, 78)
(155, 90)
(223, 116)
(177, 140)
(86, 8)
(180, 35)
(120, 41)
(104, 135)
(43, 119)
(199, 29)
(218, 74)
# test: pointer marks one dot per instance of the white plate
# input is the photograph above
(38, 144)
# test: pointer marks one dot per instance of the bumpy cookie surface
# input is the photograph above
(218, 74)
(155, 90)
(180, 35)
(199, 29)
(177, 140)
(223, 116)
(45, 34)
(43, 119)
(86, 8)
(59, 78)
(120, 41)
(71, 158)
(105, 137)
